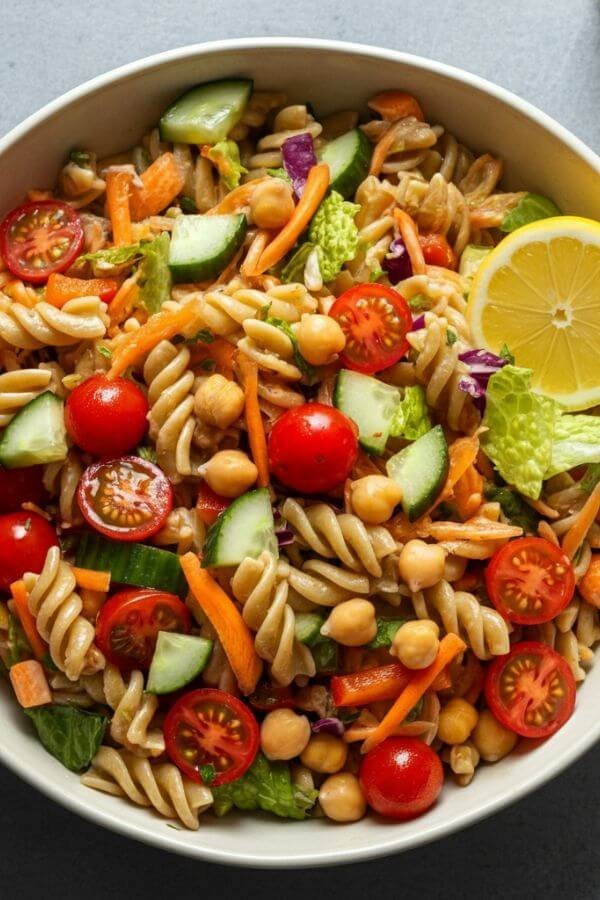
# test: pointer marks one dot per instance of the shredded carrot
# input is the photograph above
(254, 422)
(117, 205)
(468, 493)
(61, 288)
(410, 236)
(236, 199)
(235, 636)
(20, 597)
(476, 529)
(30, 684)
(382, 148)
(575, 536)
(462, 453)
(315, 189)
(450, 646)
(367, 686)
(255, 250)
(394, 105)
(219, 351)
(124, 301)
(92, 580)
(589, 586)
(160, 327)
(162, 181)
(92, 601)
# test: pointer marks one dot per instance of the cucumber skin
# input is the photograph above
(11, 459)
(347, 182)
(164, 126)
(204, 269)
(308, 628)
(211, 548)
(98, 553)
(377, 445)
(416, 509)
(159, 685)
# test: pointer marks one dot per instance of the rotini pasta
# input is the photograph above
(83, 319)
(18, 388)
(225, 309)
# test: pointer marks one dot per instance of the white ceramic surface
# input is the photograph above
(109, 114)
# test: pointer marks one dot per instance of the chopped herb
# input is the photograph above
(208, 365)
(451, 337)
(279, 173)
(105, 352)
(208, 773)
(307, 370)
(263, 313)
(147, 453)
(173, 826)
(204, 335)
(507, 355)
(418, 302)
(187, 205)
(81, 158)
(376, 275)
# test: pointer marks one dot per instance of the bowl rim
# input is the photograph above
(397, 842)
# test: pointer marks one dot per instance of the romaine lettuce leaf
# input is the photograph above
(576, 443)
(111, 257)
(411, 419)
(293, 271)
(529, 209)
(155, 276)
(226, 157)
(68, 733)
(268, 786)
(334, 232)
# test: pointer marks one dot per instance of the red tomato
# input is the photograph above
(40, 238)
(25, 538)
(375, 320)
(127, 499)
(128, 624)
(312, 448)
(106, 417)
(210, 505)
(271, 696)
(437, 251)
(211, 727)
(401, 778)
(19, 486)
(531, 690)
(530, 580)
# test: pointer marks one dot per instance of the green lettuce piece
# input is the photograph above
(18, 647)
(520, 427)
(268, 786)
(513, 506)
(334, 231)
(226, 157)
(591, 478)
(386, 632)
(279, 173)
(411, 419)
(293, 271)
(155, 281)
(325, 653)
(112, 257)
(69, 734)
(531, 208)
(576, 443)
(305, 367)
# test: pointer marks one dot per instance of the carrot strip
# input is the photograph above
(315, 189)
(61, 288)
(117, 204)
(378, 683)
(220, 351)
(30, 684)
(124, 300)
(162, 181)
(20, 597)
(394, 105)
(468, 493)
(236, 199)
(589, 586)
(254, 422)
(421, 681)
(462, 453)
(224, 616)
(381, 150)
(160, 327)
(582, 524)
(92, 580)
(410, 236)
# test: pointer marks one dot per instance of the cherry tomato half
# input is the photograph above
(211, 727)
(210, 505)
(25, 538)
(375, 320)
(128, 624)
(19, 486)
(531, 690)
(530, 580)
(401, 778)
(312, 448)
(40, 238)
(437, 251)
(106, 417)
(127, 499)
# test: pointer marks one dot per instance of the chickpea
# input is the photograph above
(324, 753)
(320, 339)
(454, 568)
(374, 498)
(219, 401)
(421, 565)
(416, 643)
(351, 623)
(493, 740)
(458, 718)
(271, 203)
(341, 798)
(229, 473)
(284, 734)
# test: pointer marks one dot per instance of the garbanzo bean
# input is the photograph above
(416, 643)
(219, 401)
(342, 799)
(271, 203)
(351, 623)
(458, 718)
(320, 339)
(284, 734)
(492, 739)
(325, 753)
(421, 565)
(374, 498)
(229, 473)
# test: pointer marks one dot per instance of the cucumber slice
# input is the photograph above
(136, 564)
(308, 627)
(326, 656)
(472, 257)
(36, 434)
(202, 246)
(348, 158)
(368, 402)
(207, 113)
(421, 471)
(386, 631)
(177, 660)
(245, 528)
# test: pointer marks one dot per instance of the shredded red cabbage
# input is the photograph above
(397, 262)
(418, 322)
(285, 537)
(482, 365)
(329, 725)
(298, 153)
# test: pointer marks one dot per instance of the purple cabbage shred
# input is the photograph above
(298, 153)
(482, 365)
(285, 537)
(397, 262)
(329, 725)
(418, 322)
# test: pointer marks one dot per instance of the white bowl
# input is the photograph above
(109, 113)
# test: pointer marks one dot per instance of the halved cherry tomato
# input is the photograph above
(211, 727)
(19, 486)
(312, 448)
(106, 417)
(127, 499)
(25, 538)
(437, 251)
(401, 778)
(40, 238)
(271, 696)
(530, 580)
(61, 288)
(375, 320)
(210, 505)
(128, 624)
(531, 690)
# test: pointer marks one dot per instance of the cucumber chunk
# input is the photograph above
(207, 113)
(202, 246)
(245, 528)
(420, 470)
(308, 628)
(368, 402)
(386, 631)
(348, 158)
(177, 660)
(36, 434)
(136, 564)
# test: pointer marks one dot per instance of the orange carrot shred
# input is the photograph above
(254, 422)
(410, 236)
(91, 579)
(124, 300)
(163, 181)
(395, 105)
(236, 199)
(219, 351)
(27, 620)
(576, 534)
(117, 204)
(468, 493)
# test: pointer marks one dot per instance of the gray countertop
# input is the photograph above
(548, 845)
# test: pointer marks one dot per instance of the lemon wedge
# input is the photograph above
(538, 293)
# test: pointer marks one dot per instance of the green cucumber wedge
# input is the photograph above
(368, 402)
(36, 435)
(245, 528)
(177, 660)
(207, 113)
(202, 246)
(348, 158)
(130, 563)
(420, 470)
(308, 627)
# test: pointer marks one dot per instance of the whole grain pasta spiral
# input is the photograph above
(18, 388)
(225, 309)
(82, 319)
